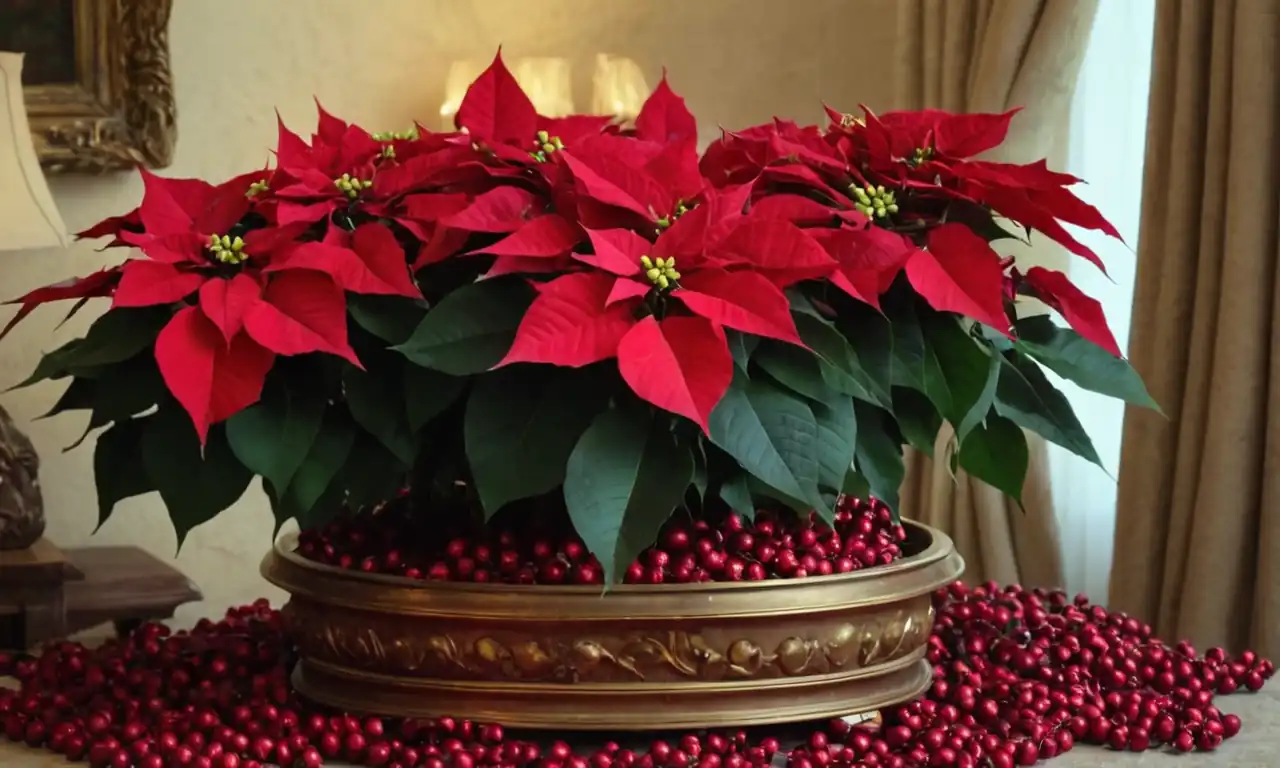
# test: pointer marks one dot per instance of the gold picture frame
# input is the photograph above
(114, 107)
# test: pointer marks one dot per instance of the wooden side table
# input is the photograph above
(33, 594)
(125, 586)
(48, 593)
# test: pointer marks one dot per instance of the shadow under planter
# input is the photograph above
(641, 657)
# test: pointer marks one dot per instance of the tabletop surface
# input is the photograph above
(1257, 745)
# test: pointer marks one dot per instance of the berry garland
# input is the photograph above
(1019, 676)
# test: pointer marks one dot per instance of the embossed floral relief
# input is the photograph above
(448, 650)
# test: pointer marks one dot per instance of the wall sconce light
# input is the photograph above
(548, 83)
(461, 75)
(619, 88)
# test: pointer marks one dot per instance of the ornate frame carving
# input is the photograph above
(119, 112)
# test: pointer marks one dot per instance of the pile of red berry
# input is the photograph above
(772, 546)
(1020, 676)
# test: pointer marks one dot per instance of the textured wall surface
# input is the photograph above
(737, 61)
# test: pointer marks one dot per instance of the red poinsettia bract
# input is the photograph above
(891, 182)
(501, 120)
(661, 305)
(639, 248)
(244, 294)
(661, 308)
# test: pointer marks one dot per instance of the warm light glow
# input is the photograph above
(619, 87)
(548, 83)
(461, 75)
(28, 216)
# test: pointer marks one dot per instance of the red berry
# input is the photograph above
(587, 573)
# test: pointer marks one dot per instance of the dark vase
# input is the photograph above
(21, 506)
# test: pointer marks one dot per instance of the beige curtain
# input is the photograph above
(1198, 520)
(989, 56)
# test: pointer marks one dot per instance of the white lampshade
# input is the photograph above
(28, 217)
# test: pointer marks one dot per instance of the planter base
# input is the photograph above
(640, 658)
(594, 708)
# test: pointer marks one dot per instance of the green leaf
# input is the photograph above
(376, 400)
(879, 454)
(273, 437)
(915, 365)
(117, 472)
(122, 391)
(119, 335)
(471, 329)
(1080, 361)
(970, 369)
(317, 477)
(78, 396)
(839, 364)
(741, 346)
(279, 513)
(327, 507)
(428, 393)
(128, 388)
(801, 303)
(837, 440)
(996, 453)
(113, 338)
(53, 365)
(1027, 398)
(736, 429)
(736, 492)
(624, 478)
(196, 486)
(794, 368)
(871, 337)
(762, 490)
(982, 221)
(371, 474)
(998, 341)
(982, 402)
(856, 485)
(908, 364)
(918, 419)
(772, 434)
(390, 318)
(520, 427)
(701, 475)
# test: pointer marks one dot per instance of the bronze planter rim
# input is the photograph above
(936, 565)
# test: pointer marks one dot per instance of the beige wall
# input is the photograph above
(234, 61)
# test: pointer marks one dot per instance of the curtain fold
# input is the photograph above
(990, 56)
(1198, 519)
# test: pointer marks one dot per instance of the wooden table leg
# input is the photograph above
(44, 616)
(32, 589)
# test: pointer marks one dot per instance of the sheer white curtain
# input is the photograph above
(1106, 146)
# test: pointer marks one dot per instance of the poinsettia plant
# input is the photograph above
(568, 308)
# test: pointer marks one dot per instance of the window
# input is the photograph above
(1106, 147)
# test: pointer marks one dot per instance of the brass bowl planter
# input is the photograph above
(642, 657)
